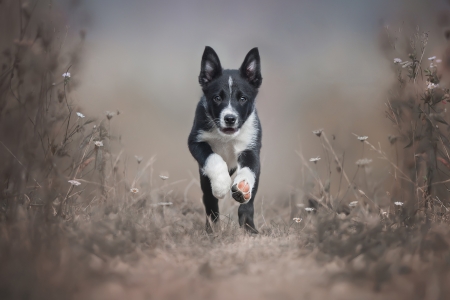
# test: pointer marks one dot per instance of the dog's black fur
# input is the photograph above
(226, 134)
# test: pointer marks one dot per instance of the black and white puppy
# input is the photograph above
(226, 135)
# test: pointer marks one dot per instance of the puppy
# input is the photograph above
(226, 135)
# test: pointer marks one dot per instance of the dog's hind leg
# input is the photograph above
(211, 204)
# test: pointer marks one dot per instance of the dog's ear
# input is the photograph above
(210, 68)
(251, 68)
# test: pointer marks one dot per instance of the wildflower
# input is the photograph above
(110, 114)
(353, 203)
(362, 138)
(438, 61)
(138, 158)
(80, 115)
(384, 213)
(74, 182)
(163, 177)
(318, 132)
(432, 58)
(66, 77)
(398, 203)
(297, 220)
(431, 86)
(309, 208)
(98, 144)
(406, 64)
(397, 60)
(134, 190)
(363, 162)
(314, 159)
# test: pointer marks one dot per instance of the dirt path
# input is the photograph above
(248, 268)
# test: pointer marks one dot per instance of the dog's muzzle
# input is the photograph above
(230, 123)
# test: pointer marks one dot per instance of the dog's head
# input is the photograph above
(229, 95)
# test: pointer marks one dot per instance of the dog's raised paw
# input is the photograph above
(241, 191)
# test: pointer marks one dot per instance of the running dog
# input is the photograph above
(226, 135)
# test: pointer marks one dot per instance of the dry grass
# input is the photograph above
(112, 237)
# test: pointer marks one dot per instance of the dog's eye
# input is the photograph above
(217, 99)
(242, 100)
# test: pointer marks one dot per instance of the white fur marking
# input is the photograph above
(230, 146)
(230, 84)
(229, 110)
(247, 175)
(217, 171)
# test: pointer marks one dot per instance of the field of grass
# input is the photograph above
(81, 219)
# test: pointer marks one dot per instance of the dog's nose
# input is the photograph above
(230, 120)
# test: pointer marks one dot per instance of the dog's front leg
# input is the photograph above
(214, 178)
(217, 171)
(211, 165)
(245, 186)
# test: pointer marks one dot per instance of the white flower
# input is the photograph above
(432, 65)
(318, 132)
(363, 138)
(398, 203)
(163, 177)
(432, 58)
(309, 208)
(134, 190)
(80, 115)
(66, 75)
(314, 159)
(431, 86)
(438, 61)
(74, 182)
(99, 143)
(297, 220)
(397, 60)
(110, 114)
(363, 162)
(406, 64)
(353, 203)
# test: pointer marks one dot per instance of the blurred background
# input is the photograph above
(324, 63)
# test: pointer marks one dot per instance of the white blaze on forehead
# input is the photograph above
(230, 84)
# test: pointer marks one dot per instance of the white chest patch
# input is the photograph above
(229, 147)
